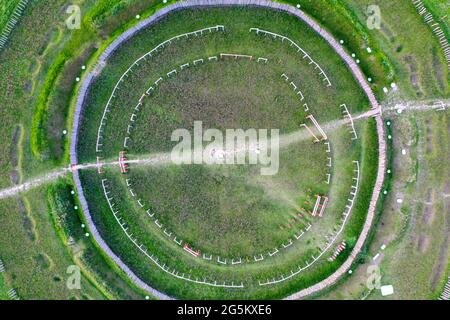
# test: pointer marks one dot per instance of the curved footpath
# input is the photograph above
(359, 76)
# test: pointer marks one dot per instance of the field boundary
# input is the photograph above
(353, 67)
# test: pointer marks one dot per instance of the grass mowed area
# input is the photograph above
(229, 212)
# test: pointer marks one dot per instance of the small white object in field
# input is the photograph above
(387, 290)
(147, 297)
(370, 79)
(72, 192)
(350, 271)
(86, 234)
(342, 41)
(353, 55)
(138, 16)
(77, 79)
(383, 246)
(399, 110)
(83, 67)
(298, 6)
(76, 207)
(389, 171)
(399, 200)
(389, 137)
(393, 85)
(357, 61)
(385, 191)
(64, 131)
(82, 225)
(388, 123)
(385, 90)
(403, 152)
(369, 50)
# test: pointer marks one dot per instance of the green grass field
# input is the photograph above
(229, 212)
(223, 211)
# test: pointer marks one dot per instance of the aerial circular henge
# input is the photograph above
(175, 202)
